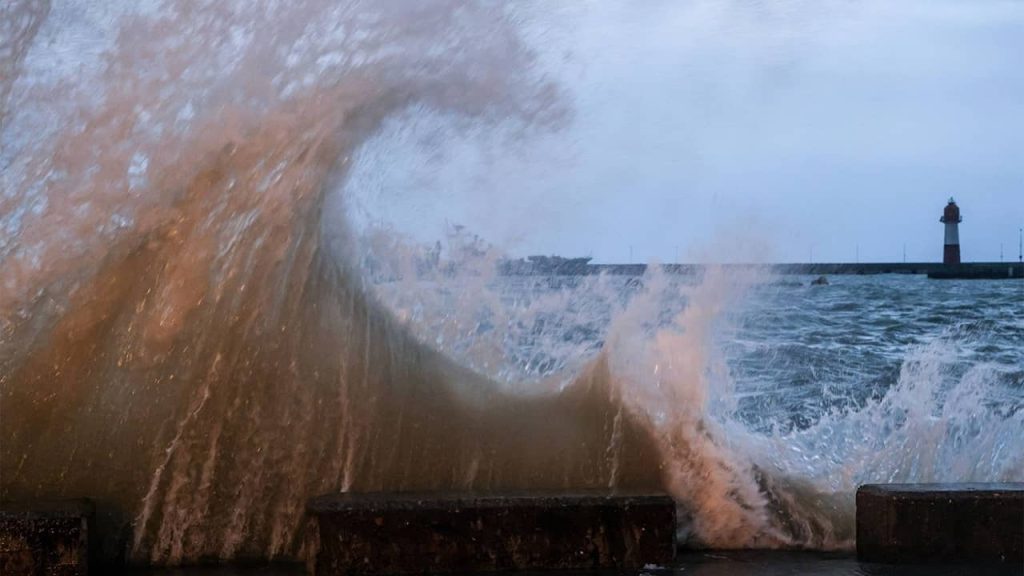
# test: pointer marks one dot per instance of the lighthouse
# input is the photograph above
(951, 218)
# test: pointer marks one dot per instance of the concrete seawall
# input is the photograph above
(965, 526)
(46, 538)
(409, 533)
(940, 523)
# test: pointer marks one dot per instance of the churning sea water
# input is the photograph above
(771, 399)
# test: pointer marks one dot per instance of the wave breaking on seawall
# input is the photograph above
(187, 337)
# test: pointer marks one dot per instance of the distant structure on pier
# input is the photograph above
(545, 265)
(952, 219)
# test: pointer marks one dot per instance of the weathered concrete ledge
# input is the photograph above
(405, 533)
(921, 523)
(45, 538)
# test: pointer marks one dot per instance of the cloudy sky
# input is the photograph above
(739, 130)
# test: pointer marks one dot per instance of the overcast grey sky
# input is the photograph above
(739, 130)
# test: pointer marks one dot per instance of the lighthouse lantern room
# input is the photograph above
(952, 219)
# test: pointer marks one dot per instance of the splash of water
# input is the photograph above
(738, 485)
(184, 339)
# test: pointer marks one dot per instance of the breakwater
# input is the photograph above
(582, 268)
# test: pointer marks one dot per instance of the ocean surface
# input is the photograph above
(792, 353)
(799, 354)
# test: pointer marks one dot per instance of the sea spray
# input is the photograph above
(675, 379)
(185, 338)
(528, 333)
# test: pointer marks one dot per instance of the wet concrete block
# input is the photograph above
(407, 533)
(927, 523)
(45, 538)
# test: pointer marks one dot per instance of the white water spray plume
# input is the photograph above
(194, 332)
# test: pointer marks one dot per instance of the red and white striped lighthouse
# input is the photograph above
(952, 219)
